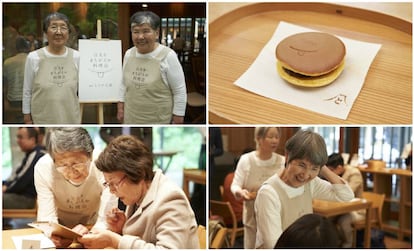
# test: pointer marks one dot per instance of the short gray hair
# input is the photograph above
(68, 139)
(55, 16)
(307, 145)
(146, 17)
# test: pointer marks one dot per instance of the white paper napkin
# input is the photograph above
(335, 100)
(44, 241)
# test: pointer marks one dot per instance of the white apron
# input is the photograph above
(147, 99)
(55, 91)
(256, 177)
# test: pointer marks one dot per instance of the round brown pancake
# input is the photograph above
(311, 53)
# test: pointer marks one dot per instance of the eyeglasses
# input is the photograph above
(79, 167)
(114, 186)
(55, 28)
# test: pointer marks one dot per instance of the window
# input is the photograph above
(188, 28)
(384, 143)
(185, 140)
(331, 136)
(6, 153)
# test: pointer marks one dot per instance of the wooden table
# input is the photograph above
(194, 175)
(158, 156)
(330, 208)
(7, 236)
(236, 37)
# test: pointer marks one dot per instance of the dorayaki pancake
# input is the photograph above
(310, 58)
(309, 81)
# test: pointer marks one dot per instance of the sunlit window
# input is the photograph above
(384, 143)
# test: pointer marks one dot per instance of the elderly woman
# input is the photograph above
(69, 186)
(252, 170)
(158, 214)
(288, 195)
(153, 89)
(50, 85)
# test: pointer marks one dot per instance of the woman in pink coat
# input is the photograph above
(158, 214)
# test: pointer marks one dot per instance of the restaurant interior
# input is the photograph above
(381, 154)
(186, 20)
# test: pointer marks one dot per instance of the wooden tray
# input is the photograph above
(236, 38)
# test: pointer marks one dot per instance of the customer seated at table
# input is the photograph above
(353, 177)
(69, 186)
(18, 190)
(288, 194)
(310, 231)
(158, 214)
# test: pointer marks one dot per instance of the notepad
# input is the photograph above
(55, 228)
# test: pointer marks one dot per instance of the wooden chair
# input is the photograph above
(225, 211)
(219, 239)
(202, 236)
(221, 191)
(376, 214)
(20, 213)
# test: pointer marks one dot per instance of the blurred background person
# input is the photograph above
(178, 46)
(19, 190)
(13, 77)
(34, 43)
(353, 177)
(10, 35)
(252, 170)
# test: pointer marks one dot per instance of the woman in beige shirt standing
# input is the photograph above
(253, 169)
(50, 88)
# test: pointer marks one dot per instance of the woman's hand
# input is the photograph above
(80, 229)
(120, 113)
(27, 118)
(244, 194)
(332, 177)
(115, 220)
(177, 119)
(100, 238)
(60, 242)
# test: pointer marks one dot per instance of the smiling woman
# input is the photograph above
(287, 195)
(69, 186)
(157, 87)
